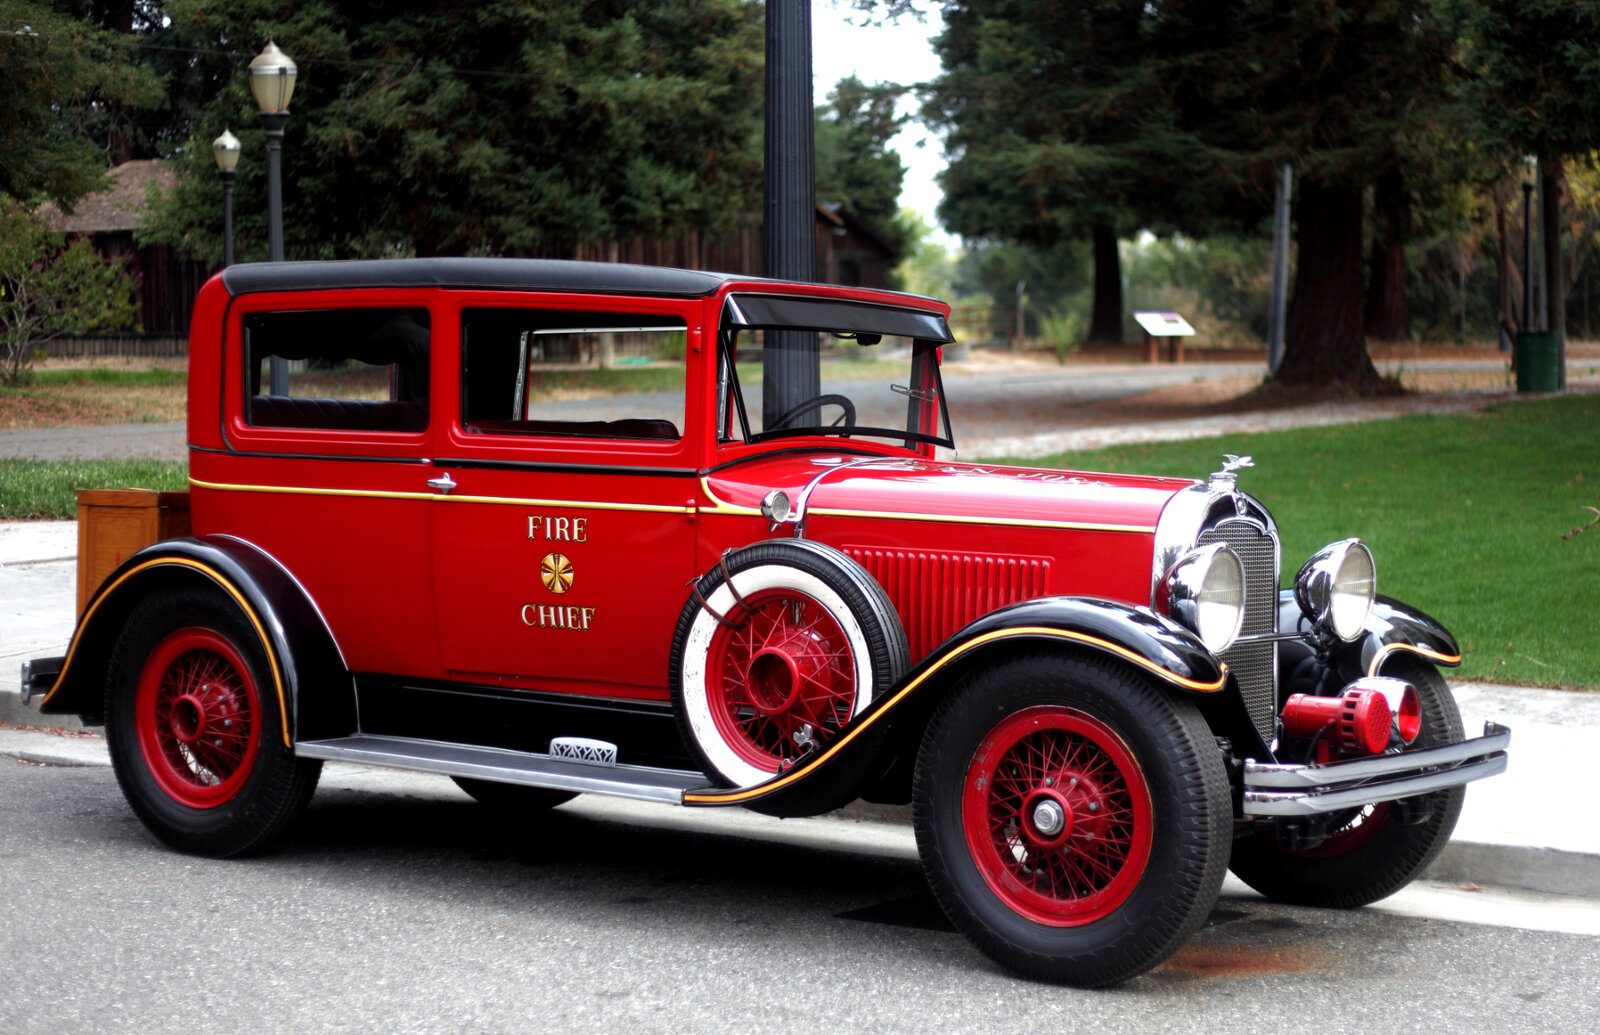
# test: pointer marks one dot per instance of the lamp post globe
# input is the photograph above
(225, 149)
(272, 76)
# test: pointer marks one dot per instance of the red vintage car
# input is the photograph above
(765, 584)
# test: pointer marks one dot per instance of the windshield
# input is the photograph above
(777, 383)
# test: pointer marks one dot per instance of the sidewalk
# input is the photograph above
(1519, 829)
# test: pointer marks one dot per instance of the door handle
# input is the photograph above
(443, 484)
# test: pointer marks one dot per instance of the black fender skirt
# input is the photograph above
(1392, 628)
(305, 661)
(893, 723)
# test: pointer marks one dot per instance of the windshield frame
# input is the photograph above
(733, 425)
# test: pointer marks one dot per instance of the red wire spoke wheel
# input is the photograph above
(194, 727)
(1057, 816)
(1073, 817)
(784, 669)
(197, 711)
(777, 649)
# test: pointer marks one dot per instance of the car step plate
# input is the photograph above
(529, 769)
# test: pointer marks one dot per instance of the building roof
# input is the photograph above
(121, 206)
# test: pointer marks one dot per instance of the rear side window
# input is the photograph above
(348, 369)
(539, 372)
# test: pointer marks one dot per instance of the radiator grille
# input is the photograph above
(1254, 665)
(938, 593)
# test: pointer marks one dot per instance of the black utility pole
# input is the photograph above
(790, 363)
(227, 219)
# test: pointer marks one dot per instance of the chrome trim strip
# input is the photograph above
(801, 502)
(527, 769)
(722, 506)
(1290, 790)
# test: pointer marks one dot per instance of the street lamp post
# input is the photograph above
(225, 149)
(272, 75)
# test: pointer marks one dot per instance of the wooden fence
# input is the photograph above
(115, 345)
(983, 324)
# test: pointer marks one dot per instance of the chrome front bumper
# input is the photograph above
(1306, 790)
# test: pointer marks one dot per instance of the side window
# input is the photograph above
(572, 373)
(348, 369)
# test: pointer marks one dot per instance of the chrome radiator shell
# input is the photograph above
(1217, 512)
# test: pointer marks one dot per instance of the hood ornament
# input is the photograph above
(1228, 477)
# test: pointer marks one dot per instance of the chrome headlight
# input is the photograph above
(1336, 588)
(775, 507)
(1205, 592)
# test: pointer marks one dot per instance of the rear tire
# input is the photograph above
(1373, 853)
(195, 728)
(1073, 819)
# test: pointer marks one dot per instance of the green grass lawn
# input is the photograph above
(1464, 514)
(49, 488)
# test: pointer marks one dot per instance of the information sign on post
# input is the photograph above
(1163, 325)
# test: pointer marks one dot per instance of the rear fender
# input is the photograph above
(1138, 636)
(314, 689)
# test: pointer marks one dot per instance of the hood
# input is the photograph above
(916, 489)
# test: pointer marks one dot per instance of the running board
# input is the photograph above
(503, 766)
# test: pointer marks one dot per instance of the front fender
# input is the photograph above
(1392, 628)
(310, 680)
(1138, 636)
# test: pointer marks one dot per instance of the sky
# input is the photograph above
(893, 52)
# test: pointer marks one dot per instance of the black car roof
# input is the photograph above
(495, 274)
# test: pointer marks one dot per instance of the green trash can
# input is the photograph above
(1538, 361)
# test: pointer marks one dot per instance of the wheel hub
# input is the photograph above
(188, 719)
(773, 681)
(1048, 819)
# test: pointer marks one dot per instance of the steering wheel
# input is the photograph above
(848, 418)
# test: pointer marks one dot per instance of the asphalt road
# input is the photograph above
(429, 913)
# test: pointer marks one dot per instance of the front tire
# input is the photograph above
(195, 730)
(1073, 820)
(1373, 853)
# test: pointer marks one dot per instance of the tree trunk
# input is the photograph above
(1553, 173)
(1105, 324)
(1323, 343)
(1386, 284)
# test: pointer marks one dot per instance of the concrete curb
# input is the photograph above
(15, 713)
(1549, 870)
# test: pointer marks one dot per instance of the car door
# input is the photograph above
(564, 539)
(329, 475)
